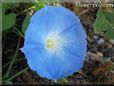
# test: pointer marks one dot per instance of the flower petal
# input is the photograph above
(48, 19)
(66, 37)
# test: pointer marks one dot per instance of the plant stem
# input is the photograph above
(18, 31)
(14, 57)
(17, 74)
(32, 7)
(10, 62)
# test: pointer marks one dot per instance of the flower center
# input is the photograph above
(54, 43)
(50, 43)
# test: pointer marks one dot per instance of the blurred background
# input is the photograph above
(98, 23)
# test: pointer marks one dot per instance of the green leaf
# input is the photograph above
(8, 21)
(62, 81)
(104, 23)
(6, 6)
(38, 6)
(26, 23)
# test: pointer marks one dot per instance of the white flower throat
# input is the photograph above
(54, 43)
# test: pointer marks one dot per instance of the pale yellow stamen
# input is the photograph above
(50, 43)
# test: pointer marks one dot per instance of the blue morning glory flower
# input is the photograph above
(55, 43)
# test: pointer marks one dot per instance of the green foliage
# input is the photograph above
(62, 81)
(9, 19)
(46, 1)
(25, 23)
(104, 23)
(6, 6)
(37, 7)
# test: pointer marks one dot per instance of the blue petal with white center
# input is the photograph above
(55, 43)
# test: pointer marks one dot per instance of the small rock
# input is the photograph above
(100, 41)
(112, 41)
(98, 56)
(109, 45)
(58, 4)
(95, 37)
